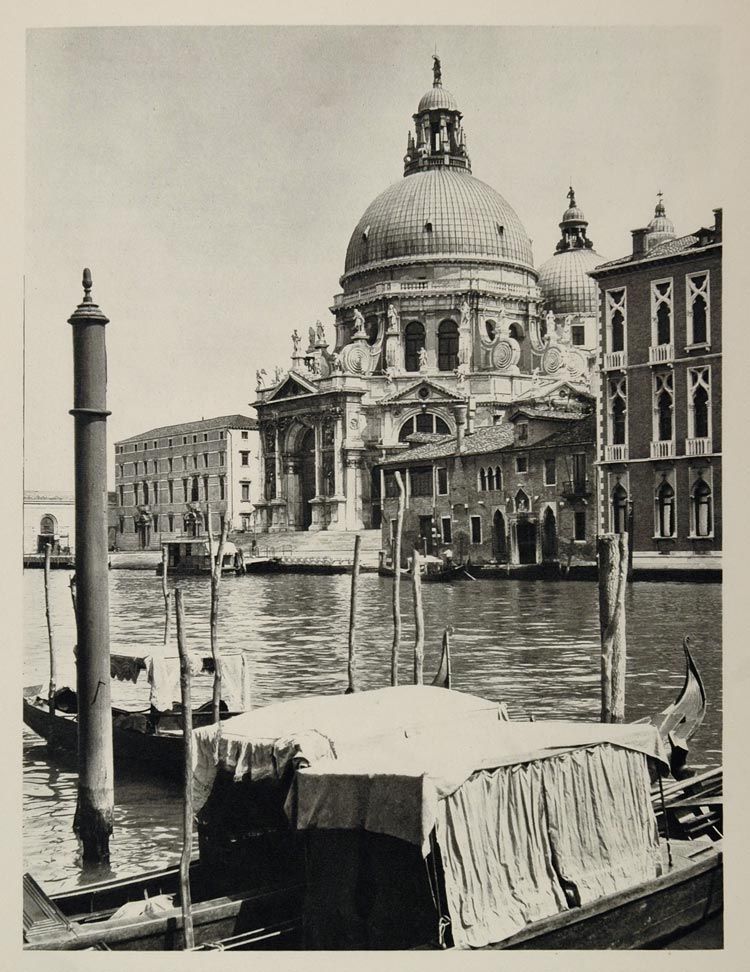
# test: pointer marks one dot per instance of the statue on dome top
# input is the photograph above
(437, 74)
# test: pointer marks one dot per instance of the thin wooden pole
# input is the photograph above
(187, 806)
(353, 616)
(613, 567)
(397, 581)
(418, 618)
(216, 572)
(165, 593)
(72, 586)
(52, 656)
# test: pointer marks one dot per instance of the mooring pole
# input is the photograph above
(416, 579)
(396, 646)
(352, 665)
(94, 814)
(612, 550)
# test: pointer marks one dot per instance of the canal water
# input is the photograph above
(532, 644)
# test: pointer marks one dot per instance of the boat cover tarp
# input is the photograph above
(162, 667)
(266, 743)
(521, 843)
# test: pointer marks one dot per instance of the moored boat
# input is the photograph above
(188, 556)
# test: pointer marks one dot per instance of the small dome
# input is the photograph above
(437, 98)
(573, 215)
(441, 212)
(661, 227)
(565, 283)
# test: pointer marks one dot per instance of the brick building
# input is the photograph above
(166, 477)
(520, 493)
(660, 402)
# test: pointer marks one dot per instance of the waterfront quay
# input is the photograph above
(531, 644)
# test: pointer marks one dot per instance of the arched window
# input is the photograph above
(372, 328)
(699, 319)
(700, 412)
(663, 324)
(619, 509)
(702, 511)
(663, 406)
(522, 502)
(498, 478)
(618, 331)
(447, 346)
(423, 422)
(665, 510)
(414, 336)
(490, 478)
(48, 525)
(618, 420)
(516, 332)
(482, 480)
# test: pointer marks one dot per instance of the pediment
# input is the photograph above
(423, 390)
(293, 386)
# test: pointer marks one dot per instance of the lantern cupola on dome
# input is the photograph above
(661, 227)
(440, 138)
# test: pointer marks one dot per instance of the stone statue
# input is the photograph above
(320, 334)
(311, 335)
(551, 335)
(359, 323)
(423, 359)
(279, 374)
(296, 340)
(566, 335)
(394, 319)
(260, 377)
(465, 314)
(437, 74)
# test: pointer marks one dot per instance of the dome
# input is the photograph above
(573, 215)
(438, 212)
(436, 98)
(661, 227)
(565, 283)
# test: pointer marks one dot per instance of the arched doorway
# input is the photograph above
(307, 484)
(499, 541)
(526, 538)
(549, 537)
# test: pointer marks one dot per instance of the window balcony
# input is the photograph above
(615, 360)
(663, 450)
(699, 447)
(577, 487)
(661, 354)
(615, 453)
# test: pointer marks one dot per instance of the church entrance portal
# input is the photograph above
(307, 478)
(526, 534)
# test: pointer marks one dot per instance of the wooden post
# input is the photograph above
(418, 618)
(187, 816)
(613, 568)
(397, 581)
(216, 565)
(165, 593)
(72, 586)
(52, 658)
(94, 816)
(353, 615)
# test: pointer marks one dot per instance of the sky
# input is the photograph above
(211, 177)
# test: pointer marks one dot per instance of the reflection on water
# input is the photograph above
(532, 644)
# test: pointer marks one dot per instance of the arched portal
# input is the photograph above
(499, 541)
(549, 537)
(414, 339)
(308, 486)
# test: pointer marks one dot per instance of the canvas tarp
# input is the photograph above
(266, 743)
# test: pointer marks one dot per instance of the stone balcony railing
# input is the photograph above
(664, 449)
(616, 453)
(699, 447)
(388, 288)
(615, 360)
(661, 354)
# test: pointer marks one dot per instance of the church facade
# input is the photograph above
(441, 314)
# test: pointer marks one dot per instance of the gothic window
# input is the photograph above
(490, 478)
(618, 411)
(423, 422)
(698, 308)
(482, 480)
(616, 319)
(522, 502)
(498, 478)
(665, 518)
(702, 508)
(663, 407)
(661, 312)
(699, 403)
(619, 509)
(414, 337)
(447, 346)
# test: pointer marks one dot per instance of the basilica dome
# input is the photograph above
(439, 212)
(564, 279)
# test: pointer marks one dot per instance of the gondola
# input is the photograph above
(245, 897)
(434, 569)
(680, 720)
(149, 737)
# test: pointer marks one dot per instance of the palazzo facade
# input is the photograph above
(440, 309)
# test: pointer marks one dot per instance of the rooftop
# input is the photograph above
(683, 246)
(489, 439)
(202, 425)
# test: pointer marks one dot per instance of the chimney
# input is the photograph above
(640, 238)
(460, 413)
(718, 220)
